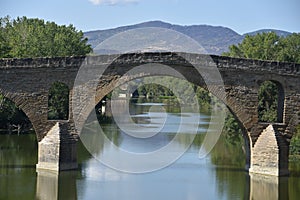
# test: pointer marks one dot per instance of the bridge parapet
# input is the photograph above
(171, 58)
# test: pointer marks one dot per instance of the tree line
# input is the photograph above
(25, 37)
(268, 46)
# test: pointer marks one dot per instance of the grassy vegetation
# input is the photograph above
(295, 146)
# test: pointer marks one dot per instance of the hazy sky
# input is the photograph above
(240, 15)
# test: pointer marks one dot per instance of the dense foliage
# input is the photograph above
(232, 130)
(295, 145)
(267, 102)
(23, 37)
(58, 102)
(268, 46)
(180, 89)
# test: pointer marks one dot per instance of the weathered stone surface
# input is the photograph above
(27, 83)
(268, 153)
(57, 150)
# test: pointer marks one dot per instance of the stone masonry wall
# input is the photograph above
(27, 81)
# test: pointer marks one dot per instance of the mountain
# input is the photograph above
(214, 39)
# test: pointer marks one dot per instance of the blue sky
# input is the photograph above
(240, 15)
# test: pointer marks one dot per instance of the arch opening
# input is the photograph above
(111, 78)
(236, 136)
(12, 118)
(271, 102)
(58, 101)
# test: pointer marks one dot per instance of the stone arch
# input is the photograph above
(279, 100)
(120, 66)
(22, 104)
(125, 62)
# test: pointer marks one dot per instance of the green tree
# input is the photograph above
(289, 48)
(4, 45)
(268, 102)
(58, 102)
(25, 37)
(261, 46)
(232, 130)
(295, 145)
(268, 46)
(204, 98)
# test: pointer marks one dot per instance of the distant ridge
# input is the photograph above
(215, 39)
(278, 32)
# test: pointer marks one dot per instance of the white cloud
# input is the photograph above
(113, 2)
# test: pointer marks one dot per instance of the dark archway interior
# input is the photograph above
(13, 119)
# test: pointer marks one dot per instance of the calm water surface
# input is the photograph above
(220, 175)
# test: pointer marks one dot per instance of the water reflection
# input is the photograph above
(51, 185)
(47, 185)
(268, 187)
(18, 150)
(219, 176)
(233, 183)
(18, 156)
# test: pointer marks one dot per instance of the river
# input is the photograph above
(220, 175)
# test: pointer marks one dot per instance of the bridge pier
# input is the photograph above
(269, 155)
(57, 150)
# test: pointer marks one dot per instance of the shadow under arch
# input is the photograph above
(23, 109)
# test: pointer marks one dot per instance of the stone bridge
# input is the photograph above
(27, 82)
